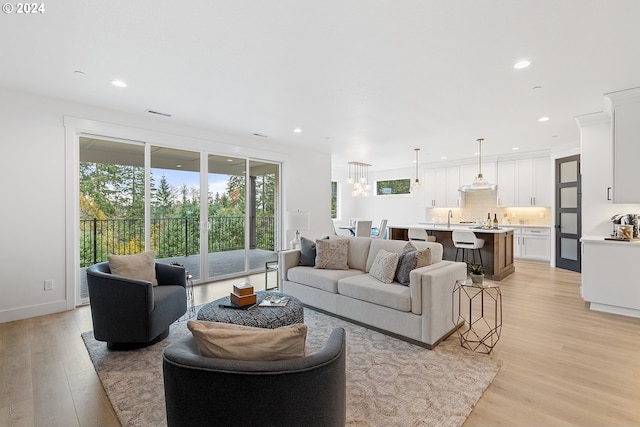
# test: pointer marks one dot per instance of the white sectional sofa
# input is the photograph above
(420, 313)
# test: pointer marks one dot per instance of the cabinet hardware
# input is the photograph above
(608, 193)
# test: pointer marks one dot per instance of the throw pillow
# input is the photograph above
(384, 266)
(332, 254)
(410, 261)
(139, 266)
(307, 252)
(237, 342)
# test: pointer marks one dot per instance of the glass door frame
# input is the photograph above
(560, 262)
(76, 128)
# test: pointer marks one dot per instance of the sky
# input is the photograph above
(175, 178)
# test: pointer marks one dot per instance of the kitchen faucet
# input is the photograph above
(449, 216)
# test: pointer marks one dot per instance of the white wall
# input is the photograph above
(32, 170)
(397, 209)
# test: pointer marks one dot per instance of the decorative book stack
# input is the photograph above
(243, 295)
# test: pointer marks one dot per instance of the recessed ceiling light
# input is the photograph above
(477, 153)
(443, 158)
(522, 64)
(118, 83)
(515, 148)
(297, 130)
(543, 119)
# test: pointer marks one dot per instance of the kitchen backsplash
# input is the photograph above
(478, 204)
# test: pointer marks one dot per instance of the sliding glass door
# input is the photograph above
(174, 221)
(242, 219)
(218, 216)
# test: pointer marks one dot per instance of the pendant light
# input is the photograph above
(360, 179)
(416, 187)
(479, 182)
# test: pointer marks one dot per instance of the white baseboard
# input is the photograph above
(32, 311)
(623, 311)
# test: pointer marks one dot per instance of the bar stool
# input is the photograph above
(420, 235)
(465, 240)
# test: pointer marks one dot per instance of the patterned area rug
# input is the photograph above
(389, 382)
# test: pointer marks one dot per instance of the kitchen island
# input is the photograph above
(497, 253)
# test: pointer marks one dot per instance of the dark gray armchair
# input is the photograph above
(129, 313)
(206, 391)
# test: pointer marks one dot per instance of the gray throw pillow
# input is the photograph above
(410, 261)
(307, 252)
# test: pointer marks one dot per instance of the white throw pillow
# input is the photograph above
(238, 342)
(139, 266)
(384, 266)
(332, 254)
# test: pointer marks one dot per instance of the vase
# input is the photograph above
(477, 278)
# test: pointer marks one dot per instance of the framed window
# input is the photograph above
(334, 200)
(393, 186)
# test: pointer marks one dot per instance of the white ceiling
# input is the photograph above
(367, 80)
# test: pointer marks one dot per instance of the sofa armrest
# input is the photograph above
(436, 287)
(286, 260)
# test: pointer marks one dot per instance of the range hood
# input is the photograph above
(479, 182)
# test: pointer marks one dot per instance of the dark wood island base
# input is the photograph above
(497, 253)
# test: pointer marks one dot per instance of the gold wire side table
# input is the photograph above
(479, 314)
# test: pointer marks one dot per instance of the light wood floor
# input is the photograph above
(562, 363)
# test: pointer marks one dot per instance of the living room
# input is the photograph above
(58, 87)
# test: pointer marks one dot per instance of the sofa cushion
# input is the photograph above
(239, 342)
(140, 266)
(358, 252)
(366, 288)
(327, 280)
(384, 266)
(332, 254)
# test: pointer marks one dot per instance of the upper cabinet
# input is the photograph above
(524, 182)
(506, 183)
(625, 112)
(441, 187)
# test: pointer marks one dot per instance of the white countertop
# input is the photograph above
(601, 240)
(443, 227)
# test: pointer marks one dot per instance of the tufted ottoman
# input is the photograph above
(261, 317)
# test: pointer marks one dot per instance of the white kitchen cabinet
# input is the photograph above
(524, 182)
(533, 243)
(610, 276)
(533, 182)
(506, 183)
(441, 187)
(454, 198)
(596, 166)
(435, 187)
(625, 112)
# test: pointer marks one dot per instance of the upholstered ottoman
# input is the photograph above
(261, 317)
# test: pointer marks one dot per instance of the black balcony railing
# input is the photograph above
(170, 237)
